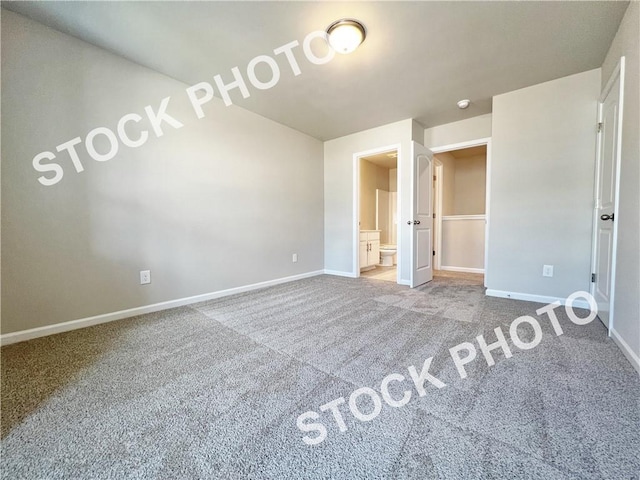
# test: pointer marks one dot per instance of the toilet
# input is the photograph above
(386, 255)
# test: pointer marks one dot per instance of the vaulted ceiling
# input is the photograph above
(418, 60)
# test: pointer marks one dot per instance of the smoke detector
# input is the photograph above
(462, 104)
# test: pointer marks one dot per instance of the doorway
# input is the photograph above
(377, 245)
(461, 196)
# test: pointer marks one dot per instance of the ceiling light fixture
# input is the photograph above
(462, 104)
(346, 35)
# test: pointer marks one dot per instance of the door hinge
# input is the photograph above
(599, 127)
(434, 253)
(593, 278)
(434, 215)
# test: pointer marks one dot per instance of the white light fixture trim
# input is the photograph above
(462, 104)
(345, 35)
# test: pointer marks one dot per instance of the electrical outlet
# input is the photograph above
(145, 277)
(294, 258)
(547, 270)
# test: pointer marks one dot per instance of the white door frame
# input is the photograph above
(438, 169)
(459, 146)
(356, 204)
(616, 76)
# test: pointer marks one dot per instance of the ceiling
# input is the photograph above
(469, 152)
(384, 160)
(418, 60)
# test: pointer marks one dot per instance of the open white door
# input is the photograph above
(421, 221)
(609, 138)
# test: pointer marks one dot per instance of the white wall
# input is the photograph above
(339, 190)
(220, 203)
(457, 132)
(542, 176)
(626, 324)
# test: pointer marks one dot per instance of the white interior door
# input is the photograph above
(421, 221)
(605, 202)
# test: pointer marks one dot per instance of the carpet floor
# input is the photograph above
(214, 390)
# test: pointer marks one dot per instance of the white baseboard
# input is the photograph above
(15, 337)
(338, 273)
(462, 269)
(527, 297)
(626, 350)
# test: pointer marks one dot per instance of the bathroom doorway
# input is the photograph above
(377, 214)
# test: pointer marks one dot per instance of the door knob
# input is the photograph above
(416, 222)
(409, 222)
(607, 217)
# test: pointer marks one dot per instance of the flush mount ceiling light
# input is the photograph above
(462, 104)
(346, 35)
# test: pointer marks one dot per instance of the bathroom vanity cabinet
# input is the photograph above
(369, 248)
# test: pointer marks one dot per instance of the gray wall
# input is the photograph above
(626, 322)
(470, 185)
(220, 203)
(473, 128)
(339, 191)
(542, 174)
